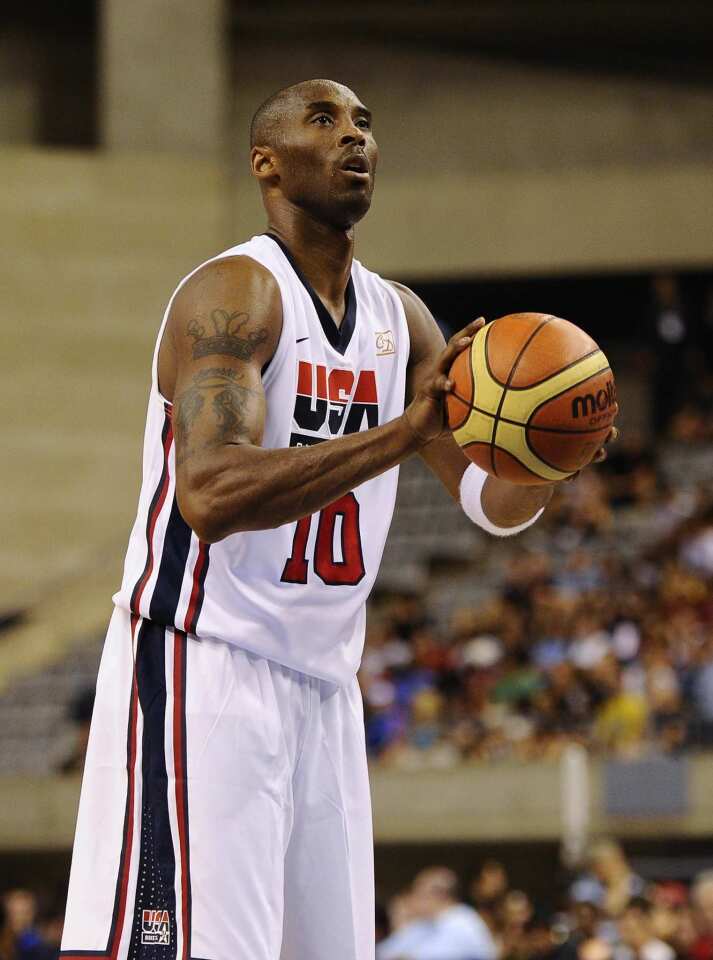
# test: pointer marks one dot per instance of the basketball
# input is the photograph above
(533, 398)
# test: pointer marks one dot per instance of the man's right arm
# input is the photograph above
(224, 326)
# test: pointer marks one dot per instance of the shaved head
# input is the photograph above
(271, 114)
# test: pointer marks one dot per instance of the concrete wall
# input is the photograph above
(522, 802)
(92, 247)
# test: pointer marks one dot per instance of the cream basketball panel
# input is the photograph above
(487, 391)
(513, 438)
(487, 396)
(520, 404)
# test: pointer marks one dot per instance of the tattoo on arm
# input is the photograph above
(227, 339)
(188, 406)
(229, 405)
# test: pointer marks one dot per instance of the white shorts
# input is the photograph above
(225, 810)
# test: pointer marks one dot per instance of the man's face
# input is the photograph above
(328, 155)
(633, 927)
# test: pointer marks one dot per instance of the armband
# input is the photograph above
(471, 489)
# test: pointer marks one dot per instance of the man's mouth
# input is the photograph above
(357, 166)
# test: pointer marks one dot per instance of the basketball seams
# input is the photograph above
(516, 444)
(520, 406)
(485, 354)
(513, 369)
(540, 479)
(568, 366)
(533, 427)
(468, 410)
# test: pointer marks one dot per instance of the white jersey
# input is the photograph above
(295, 594)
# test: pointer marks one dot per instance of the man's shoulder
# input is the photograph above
(235, 266)
(233, 281)
(413, 304)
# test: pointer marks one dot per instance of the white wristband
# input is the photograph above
(471, 488)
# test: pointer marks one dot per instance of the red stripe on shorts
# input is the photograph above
(196, 600)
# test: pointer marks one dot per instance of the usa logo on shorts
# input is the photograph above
(156, 927)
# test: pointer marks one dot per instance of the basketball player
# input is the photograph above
(225, 806)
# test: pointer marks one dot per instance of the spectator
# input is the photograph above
(639, 942)
(595, 948)
(438, 926)
(21, 911)
(702, 897)
(612, 881)
(487, 891)
(515, 915)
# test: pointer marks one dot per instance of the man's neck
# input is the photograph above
(323, 253)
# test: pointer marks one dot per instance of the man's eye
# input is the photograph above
(363, 123)
(322, 116)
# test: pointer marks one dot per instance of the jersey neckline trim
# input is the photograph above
(338, 337)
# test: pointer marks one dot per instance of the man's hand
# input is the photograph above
(599, 456)
(426, 414)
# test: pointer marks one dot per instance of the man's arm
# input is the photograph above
(504, 504)
(223, 328)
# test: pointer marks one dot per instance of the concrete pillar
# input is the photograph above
(163, 84)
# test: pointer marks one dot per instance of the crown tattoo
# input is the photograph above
(226, 339)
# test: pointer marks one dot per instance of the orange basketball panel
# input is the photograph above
(556, 345)
(506, 337)
(566, 451)
(479, 453)
(461, 373)
(457, 411)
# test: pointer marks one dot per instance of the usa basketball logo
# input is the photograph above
(156, 927)
(385, 343)
(333, 402)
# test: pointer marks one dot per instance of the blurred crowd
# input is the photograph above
(598, 628)
(30, 925)
(579, 640)
(608, 912)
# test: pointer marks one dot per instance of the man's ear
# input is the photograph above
(263, 162)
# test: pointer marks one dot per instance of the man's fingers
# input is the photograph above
(469, 330)
(441, 384)
(613, 436)
(451, 352)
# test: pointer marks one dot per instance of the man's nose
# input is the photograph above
(353, 135)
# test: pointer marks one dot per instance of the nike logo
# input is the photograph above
(300, 339)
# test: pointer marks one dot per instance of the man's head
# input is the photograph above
(594, 949)
(607, 861)
(312, 146)
(434, 890)
(635, 923)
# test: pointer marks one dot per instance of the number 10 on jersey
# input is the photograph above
(345, 572)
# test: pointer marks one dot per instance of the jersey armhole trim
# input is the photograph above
(395, 297)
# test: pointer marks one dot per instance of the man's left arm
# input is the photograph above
(500, 507)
